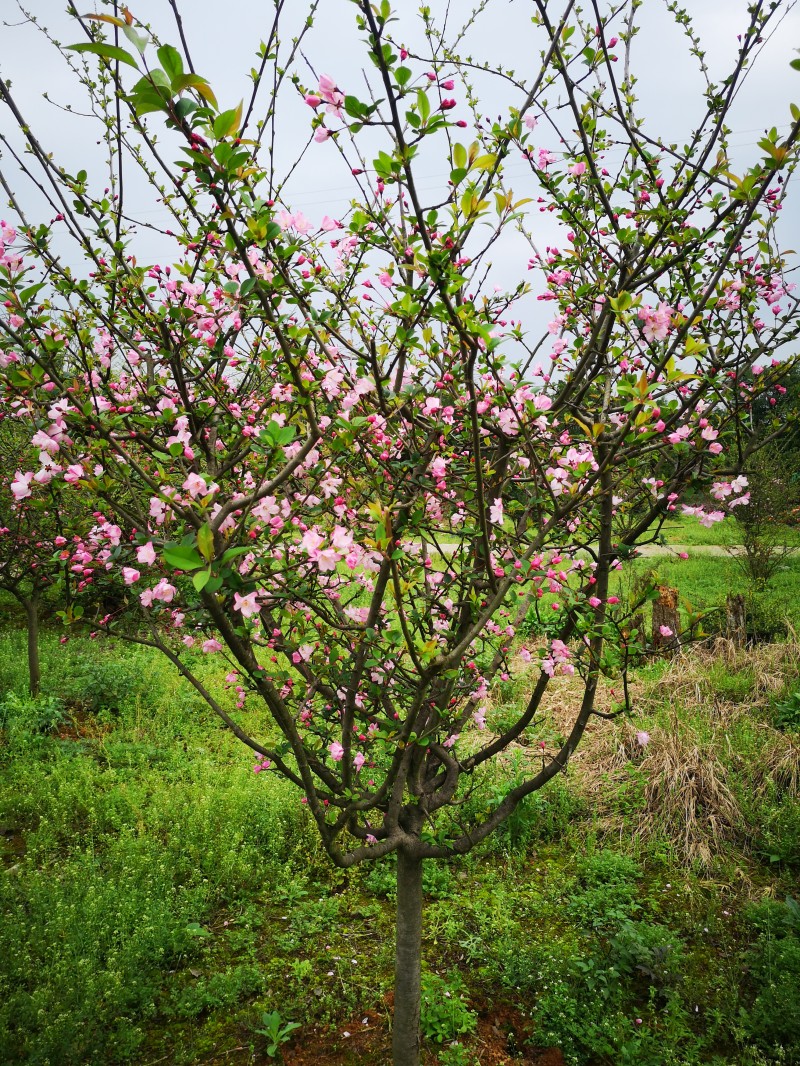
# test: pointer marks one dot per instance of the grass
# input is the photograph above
(685, 529)
(703, 584)
(159, 898)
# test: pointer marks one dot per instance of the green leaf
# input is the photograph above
(227, 122)
(27, 294)
(354, 108)
(182, 557)
(279, 435)
(200, 85)
(484, 162)
(161, 81)
(205, 542)
(621, 302)
(402, 74)
(185, 106)
(795, 64)
(195, 929)
(232, 553)
(138, 40)
(105, 51)
(423, 105)
(170, 59)
(201, 579)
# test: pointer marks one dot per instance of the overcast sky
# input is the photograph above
(223, 38)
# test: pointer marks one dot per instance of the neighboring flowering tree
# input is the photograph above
(31, 540)
(331, 450)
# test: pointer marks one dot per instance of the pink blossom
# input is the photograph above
(73, 474)
(164, 591)
(642, 738)
(358, 760)
(44, 442)
(327, 85)
(195, 485)
(594, 601)
(130, 575)
(656, 321)
(21, 485)
(665, 631)
(146, 554)
(577, 169)
(496, 512)
(211, 645)
(336, 750)
(710, 518)
(247, 605)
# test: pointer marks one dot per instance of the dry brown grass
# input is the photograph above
(688, 679)
(688, 795)
(778, 765)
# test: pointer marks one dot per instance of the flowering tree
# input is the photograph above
(31, 536)
(332, 451)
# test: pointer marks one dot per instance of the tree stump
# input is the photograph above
(666, 622)
(736, 619)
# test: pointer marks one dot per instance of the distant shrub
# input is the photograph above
(772, 1020)
(767, 615)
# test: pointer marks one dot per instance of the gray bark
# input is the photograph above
(408, 961)
(31, 606)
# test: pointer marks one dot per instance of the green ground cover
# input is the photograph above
(685, 529)
(703, 583)
(159, 898)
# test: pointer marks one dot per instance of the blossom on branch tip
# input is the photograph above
(496, 512)
(146, 554)
(21, 485)
(247, 605)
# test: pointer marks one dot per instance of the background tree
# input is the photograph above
(332, 452)
(761, 526)
(31, 539)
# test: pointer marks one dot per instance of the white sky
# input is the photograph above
(223, 39)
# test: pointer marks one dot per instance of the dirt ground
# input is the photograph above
(500, 1041)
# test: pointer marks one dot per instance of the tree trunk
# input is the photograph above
(665, 615)
(735, 619)
(408, 961)
(34, 674)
